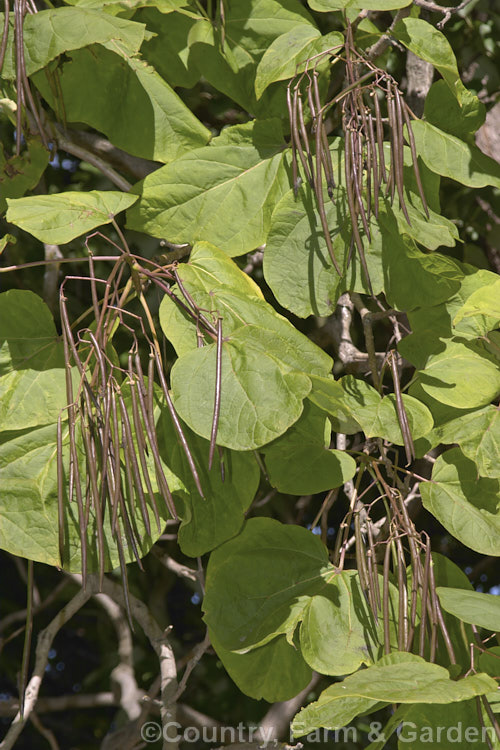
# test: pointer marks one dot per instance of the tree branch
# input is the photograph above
(44, 643)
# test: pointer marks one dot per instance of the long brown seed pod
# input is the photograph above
(217, 398)
(93, 498)
(403, 597)
(60, 491)
(325, 149)
(295, 173)
(303, 144)
(401, 411)
(385, 598)
(318, 190)
(413, 148)
(374, 163)
(141, 443)
(356, 149)
(177, 424)
(5, 33)
(399, 138)
(424, 594)
(379, 127)
(352, 209)
(131, 460)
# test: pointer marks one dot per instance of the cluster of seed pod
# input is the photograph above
(369, 175)
(114, 455)
(25, 97)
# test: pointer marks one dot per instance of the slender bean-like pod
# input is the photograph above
(385, 598)
(424, 595)
(177, 424)
(93, 498)
(440, 618)
(123, 570)
(306, 161)
(352, 209)
(411, 139)
(3, 45)
(318, 189)
(60, 491)
(217, 397)
(374, 163)
(326, 156)
(129, 520)
(291, 115)
(193, 304)
(356, 148)
(401, 411)
(402, 598)
(379, 131)
(131, 459)
(399, 140)
(141, 442)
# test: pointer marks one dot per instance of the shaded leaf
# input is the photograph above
(61, 217)
(273, 672)
(300, 463)
(396, 678)
(326, 6)
(466, 505)
(483, 306)
(21, 173)
(288, 54)
(478, 435)
(461, 375)
(471, 606)
(451, 157)
(431, 45)
(443, 110)
(219, 515)
(358, 402)
(28, 336)
(151, 121)
(459, 724)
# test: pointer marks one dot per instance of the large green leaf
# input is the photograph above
(466, 505)
(140, 113)
(396, 678)
(278, 576)
(261, 396)
(443, 110)
(29, 506)
(250, 28)
(300, 462)
(356, 404)
(451, 157)
(471, 606)
(168, 51)
(430, 325)
(273, 672)
(461, 374)
(288, 55)
(297, 265)
(115, 7)
(483, 306)
(326, 6)
(478, 435)
(28, 336)
(223, 193)
(54, 32)
(431, 45)
(412, 276)
(265, 360)
(269, 571)
(60, 217)
(21, 173)
(228, 489)
(458, 726)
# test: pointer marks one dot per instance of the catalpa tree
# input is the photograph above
(246, 341)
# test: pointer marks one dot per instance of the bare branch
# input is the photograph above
(44, 644)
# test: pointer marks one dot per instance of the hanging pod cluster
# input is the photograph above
(115, 471)
(369, 175)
